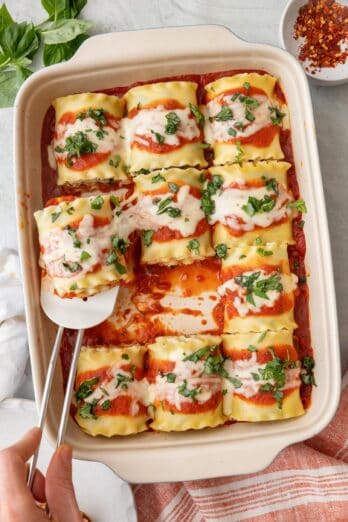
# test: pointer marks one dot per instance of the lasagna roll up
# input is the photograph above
(87, 139)
(185, 391)
(163, 127)
(253, 201)
(243, 118)
(111, 394)
(168, 211)
(258, 289)
(80, 251)
(264, 377)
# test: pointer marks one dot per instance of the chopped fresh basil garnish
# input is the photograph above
(106, 405)
(73, 287)
(207, 203)
(55, 216)
(252, 348)
(299, 204)
(262, 252)
(197, 114)
(72, 267)
(221, 250)
(125, 356)
(84, 256)
(232, 132)
(115, 200)
(147, 237)
(86, 388)
(254, 205)
(120, 244)
(276, 115)
(240, 153)
(225, 114)
(86, 411)
(97, 203)
(159, 137)
(157, 178)
(76, 145)
(98, 116)
(115, 161)
(122, 380)
(258, 287)
(173, 187)
(193, 246)
(186, 392)
(173, 122)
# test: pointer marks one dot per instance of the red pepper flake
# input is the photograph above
(324, 26)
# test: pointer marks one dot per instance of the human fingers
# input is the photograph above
(60, 492)
(27, 445)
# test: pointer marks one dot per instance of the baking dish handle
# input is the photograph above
(135, 46)
(219, 460)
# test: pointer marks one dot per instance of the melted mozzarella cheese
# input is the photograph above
(243, 307)
(106, 389)
(59, 247)
(218, 130)
(229, 208)
(242, 370)
(150, 121)
(190, 372)
(107, 143)
(143, 215)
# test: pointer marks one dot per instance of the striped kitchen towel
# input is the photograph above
(307, 482)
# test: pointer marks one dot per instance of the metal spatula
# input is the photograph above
(77, 314)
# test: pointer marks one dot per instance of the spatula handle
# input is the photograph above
(46, 394)
(69, 389)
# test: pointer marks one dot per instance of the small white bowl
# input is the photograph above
(326, 76)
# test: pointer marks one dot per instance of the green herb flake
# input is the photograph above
(189, 393)
(86, 389)
(125, 356)
(147, 237)
(262, 336)
(171, 377)
(122, 381)
(221, 250)
(276, 115)
(232, 132)
(225, 114)
(157, 178)
(84, 256)
(173, 122)
(264, 253)
(73, 287)
(255, 205)
(252, 348)
(115, 200)
(106, 405)
(72, 267)
(193, 245)
(246, 86)
(55, 216)
(240, 153)
(197, 114)
(242, 256)
(115, 161)
(86, 411)
(97, 203)
(159, 137)
(173, 187)
(299, 204)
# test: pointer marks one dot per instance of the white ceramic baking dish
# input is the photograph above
(119, 59)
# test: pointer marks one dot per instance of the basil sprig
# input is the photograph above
(61, 33)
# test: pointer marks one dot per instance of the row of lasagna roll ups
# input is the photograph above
(240, 209)
(182, 383)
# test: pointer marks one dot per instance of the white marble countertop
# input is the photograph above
(253, 20)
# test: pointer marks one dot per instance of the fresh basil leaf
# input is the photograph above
(193, 246)
(5, 17)
(56, 8)
(62, 52)
(10, 82)
(76, 7)
(63, 31)
(18, 43)
(221, 250)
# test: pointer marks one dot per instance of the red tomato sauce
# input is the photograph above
(283, 351)
(167, 234)
(144, 328)
(264, 398)
(191, 407)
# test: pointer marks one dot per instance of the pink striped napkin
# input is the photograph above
(306, 482)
